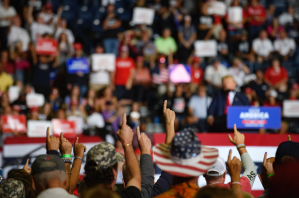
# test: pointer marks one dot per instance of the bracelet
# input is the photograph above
(68, 173)
(77, 157)
(67, 160)
(236, 183)
(240, 145)
(127, 145)
(66, 156)
(270, 175)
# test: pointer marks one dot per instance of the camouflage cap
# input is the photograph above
(47, 163)
(12, 188)
(104, 155)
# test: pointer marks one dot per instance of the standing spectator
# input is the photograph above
(166, 44)
(147, 48)
(235, 29)
(259, 86)
(238, 71)
(285, 47)
(293, 94)
(65, 49)
(213, 75)
(223, 46)
(256, 16)
(276, 76)
(274, 29)
(187, 36)
(5, 79)
(111, 24)
(287, 18)
(198, 108)
(101, 78)
(106, 95)
(122, 77)
(197, 74)
(262, 47)
(112, 115)
(7, 14)
(7, 65)
(141, 81)
(243, 48)
(205, 24)
(62, 28)
(73, 96)
(126, 40)
(47, 15)
(18, 34)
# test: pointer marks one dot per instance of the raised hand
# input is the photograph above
(145, 143)
(65, 146)
(26, 168)
(289, 138)
(79, 149)
(234, 167)
(238, 138)
(125, 134)
(168, 114)
(52, 143)
(267, 167)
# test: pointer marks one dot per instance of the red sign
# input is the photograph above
(68, 127)
(46, 46)
(16, 123)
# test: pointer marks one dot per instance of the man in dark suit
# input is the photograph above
(225, 97)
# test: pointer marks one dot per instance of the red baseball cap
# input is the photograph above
(32, 109)
(77, 46)
(295, 86)
(196, 59)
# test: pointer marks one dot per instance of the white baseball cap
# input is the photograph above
(218, 168)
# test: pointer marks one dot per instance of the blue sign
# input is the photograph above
(254, 117)
(75, 65)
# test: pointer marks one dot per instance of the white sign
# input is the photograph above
(35, 100)
(206, 48)
(143, 16)
(291, 108)
(235, 14)
(13, 93)
(38, 128)
(79, 123)
(217, 7)
(103, 62)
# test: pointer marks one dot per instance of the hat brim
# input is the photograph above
(199, 167)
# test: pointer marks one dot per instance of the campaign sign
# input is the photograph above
(38, 128)
(35, 100)
(68, 127)
(143, 16)
(235, 14)
(75, 65)
(254, 117)
(13, 123)
(46, 46)
(179, 73)
(206, 48)
(217, 7)
(291, 108)
(103, 62)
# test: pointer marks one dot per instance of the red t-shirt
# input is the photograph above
(256, 11)
(246, 187)
(196, 75)
(122, 70)
(275, 76)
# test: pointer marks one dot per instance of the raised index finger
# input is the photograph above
(165, 105)
(48, 132)
(61, 136)
(124, 120)
(235, 128)
(76, 141)
(27, 162)
(265, 158)
(229, 156)
(138, 132)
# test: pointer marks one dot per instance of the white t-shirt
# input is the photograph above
(69, 34)
(55, 192)
(215, 76)
(10, 12)
(285, 18)
(39, 29)
(238, 75)
(283, 46)
(262, 47)
(19, 34)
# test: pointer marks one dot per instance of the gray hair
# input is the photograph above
(43, 178)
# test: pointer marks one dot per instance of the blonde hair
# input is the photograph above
(228, 77)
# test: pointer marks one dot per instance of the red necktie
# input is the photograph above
(227, 104)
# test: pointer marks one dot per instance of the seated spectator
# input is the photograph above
(276, 76)
(147, 48)
(238, 70)
(256, 16)
(123, 75)
(166, 44)
(259, 86)
(46, 113)
(272, 101)
(284, 46)
(65, 49)
(198, 107)
(287, 18)
(262, 46)
(206, 24)
(75, 109)
(293, 94)
(161, 76)
(74, 95)
(112, 115)
(197, 74)
(111, 24)
(8, 66)
(213, 75)
(62, 28)
(55, 99)
(270, 14)
(223, 46)
(141, 81)
(251, 95)
(5, 78)
(18, 34)
(243, 47)
(34, 113)
(187, 36)
(7, 14)
(106, 95)
(274, 29)
(60, 114)
(234, 29)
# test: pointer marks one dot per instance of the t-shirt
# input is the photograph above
(259, 89)
(196, 75)
(243, 47)
(161, 77)
(200, 106)
(163, 45)
(110, 33)
(205, 20)
(122, 70)
(283, 46)
(130, 192)
(215, 76)
(41, 74)
(37, 30)
(6, 81)
(17, 34)
(285, 19)
(256, 11)
(55, 192)
(187, 31)
(262, 47)
(246, 187)
(10, 12)
(179, 104)
(274, 76)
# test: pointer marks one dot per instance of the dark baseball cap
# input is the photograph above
(47, 163)
(287, 148)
